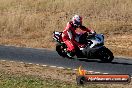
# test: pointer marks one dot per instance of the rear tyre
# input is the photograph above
(60, 50)
(106, 55)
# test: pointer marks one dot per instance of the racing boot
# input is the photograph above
(70, 54)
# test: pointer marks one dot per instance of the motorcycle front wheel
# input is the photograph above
(106, 55)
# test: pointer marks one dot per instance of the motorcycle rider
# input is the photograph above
(69, 33)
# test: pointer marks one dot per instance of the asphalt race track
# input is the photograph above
(50, 57)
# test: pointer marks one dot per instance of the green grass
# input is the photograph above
(24, 81)
(34, 76)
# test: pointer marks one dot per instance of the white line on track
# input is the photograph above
(21, 62)
(90, 71)
(75, 69)
(44, 65)
(61, 67)
(53, 66)
(97, 72)
(37, 64)
(69, 68)
(3, 60)
(105, 73)
(12, 61)
(30, 63)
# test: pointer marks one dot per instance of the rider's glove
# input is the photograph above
(91, 34)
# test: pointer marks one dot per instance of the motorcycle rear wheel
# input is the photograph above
(60, 50)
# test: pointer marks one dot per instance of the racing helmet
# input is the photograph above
(77, 20)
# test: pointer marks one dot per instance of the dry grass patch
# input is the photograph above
(30, 23)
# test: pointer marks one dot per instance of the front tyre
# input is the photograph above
(106, 55)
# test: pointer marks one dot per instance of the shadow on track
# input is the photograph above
(45, 56)
(98, 61)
